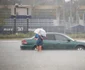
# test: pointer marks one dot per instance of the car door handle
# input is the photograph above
(58, 43)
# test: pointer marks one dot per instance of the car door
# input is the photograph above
(49, 42)
(63, 42)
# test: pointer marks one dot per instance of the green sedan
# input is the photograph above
(54, 41)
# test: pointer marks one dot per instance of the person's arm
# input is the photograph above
(41, 37)
(36, 37)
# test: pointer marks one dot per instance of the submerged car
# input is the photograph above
(54, 41)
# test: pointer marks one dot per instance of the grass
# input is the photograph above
(77, 36)
(30, 34)
(16, 36)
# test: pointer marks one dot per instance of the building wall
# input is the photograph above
(21, 10)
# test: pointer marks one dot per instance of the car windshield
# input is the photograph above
(69, 37)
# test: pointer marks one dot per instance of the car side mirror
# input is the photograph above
(68, 40)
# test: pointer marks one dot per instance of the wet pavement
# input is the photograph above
(12, 58)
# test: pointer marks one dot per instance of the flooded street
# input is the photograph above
(12, 58)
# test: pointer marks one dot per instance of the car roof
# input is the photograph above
(55, 33)
(60, 34)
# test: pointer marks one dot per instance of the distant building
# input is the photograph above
(52, 15)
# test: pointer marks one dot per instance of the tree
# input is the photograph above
(5, 12)
(9, 2)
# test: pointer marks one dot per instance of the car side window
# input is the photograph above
(50, 37)
(60, 37)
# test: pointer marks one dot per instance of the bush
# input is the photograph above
(79, 35)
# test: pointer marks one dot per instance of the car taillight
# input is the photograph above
(24, 42)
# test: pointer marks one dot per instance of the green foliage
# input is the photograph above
(4, 14)
(30, 34)
(17, 35)
(9, 2)
(78, 36)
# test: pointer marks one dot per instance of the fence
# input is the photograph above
(20, 23)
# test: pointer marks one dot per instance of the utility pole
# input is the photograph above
(27, 21)
(70, 14)
(15, 14)
(64, 16)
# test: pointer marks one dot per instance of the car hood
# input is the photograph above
(80, 42)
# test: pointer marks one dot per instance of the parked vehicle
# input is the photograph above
(54, 41)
